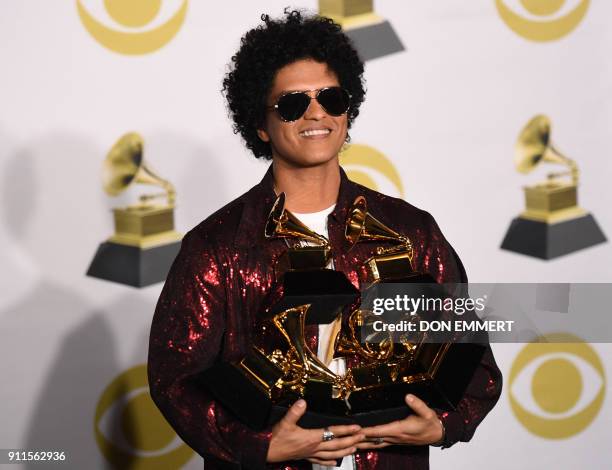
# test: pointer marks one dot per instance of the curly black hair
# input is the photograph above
(276, 43)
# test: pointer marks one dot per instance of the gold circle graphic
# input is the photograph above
(133, 14)
(543, 7)
(143, 410)
(361, 155)
(141, 423)
(556, 386)
(542, 31)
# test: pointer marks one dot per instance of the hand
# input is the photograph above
(421, 428)
(291, 442)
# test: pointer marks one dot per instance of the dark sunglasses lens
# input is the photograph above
(292, 106)
(336, 101)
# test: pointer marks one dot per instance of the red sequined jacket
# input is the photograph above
(208, 306)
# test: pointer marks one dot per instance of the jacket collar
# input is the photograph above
(258, 204)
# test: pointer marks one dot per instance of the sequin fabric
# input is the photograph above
(208, 312)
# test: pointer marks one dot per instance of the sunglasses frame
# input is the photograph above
(315, 97)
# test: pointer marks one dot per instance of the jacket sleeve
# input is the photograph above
(485, 387)
(186, 338)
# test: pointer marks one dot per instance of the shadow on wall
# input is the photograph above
(62, 416)
(19, 192)
(56, 211)
(52, 205)
(87, 361)
(65, 353)
(18, 200)
(202, 184)
(96, 406)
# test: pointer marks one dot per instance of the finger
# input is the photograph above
(344, 429)
(389, 441)
(329, 463)
(419, 407)
(294, 413)
(411, 425)
(383, 430)
(339, 432)
(365, 445)
(333, 455)
(342, 442)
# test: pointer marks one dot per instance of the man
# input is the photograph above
(293, 92)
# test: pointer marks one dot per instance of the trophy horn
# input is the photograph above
(290, 323)
(282, 223)
(124, 165)
(361, 225)
(534, 146)
(348, 342)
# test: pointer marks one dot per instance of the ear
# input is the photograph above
(263, 135)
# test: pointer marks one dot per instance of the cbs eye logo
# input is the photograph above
(542, 20)
(130, 430)
(369, 167)
(557, 388)
(132, 27)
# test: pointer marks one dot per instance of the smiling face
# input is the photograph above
(316, 137)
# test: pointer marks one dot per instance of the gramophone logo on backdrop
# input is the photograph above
(373, 35)
(145, 243)
(552, 224)
(556, 389)
(129, 429)
(542, 20)
(371, 168)
(132, 27)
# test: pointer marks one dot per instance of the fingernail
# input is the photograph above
(410, 398)
(301, 403)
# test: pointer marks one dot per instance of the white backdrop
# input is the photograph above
(446, 112)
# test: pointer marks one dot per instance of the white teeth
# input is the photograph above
(309, 133)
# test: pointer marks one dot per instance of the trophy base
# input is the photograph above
(132, 265)
(548, 241)
(254, 408)
(369, 407)
(314, 420)
(326, 290)
(375, 40)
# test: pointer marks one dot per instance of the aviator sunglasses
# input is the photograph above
(292, 106)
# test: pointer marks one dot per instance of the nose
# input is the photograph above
(314, 111)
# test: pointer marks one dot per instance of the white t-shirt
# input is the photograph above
(317, 222)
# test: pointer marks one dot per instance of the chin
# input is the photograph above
(321, 155)
(309, 158)
(317, 159)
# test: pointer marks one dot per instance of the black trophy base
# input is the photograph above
(548, 241)
(246, 400)
(228, 383)
(326, 290)
(375, 41)
(314, 420)
(132, 265)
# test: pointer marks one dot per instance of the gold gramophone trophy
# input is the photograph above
(281, 368)
(392, 365)
(389, 264)
(552, 224)
(373, 35)
(144, 243)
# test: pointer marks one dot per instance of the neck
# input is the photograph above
(307, 189)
